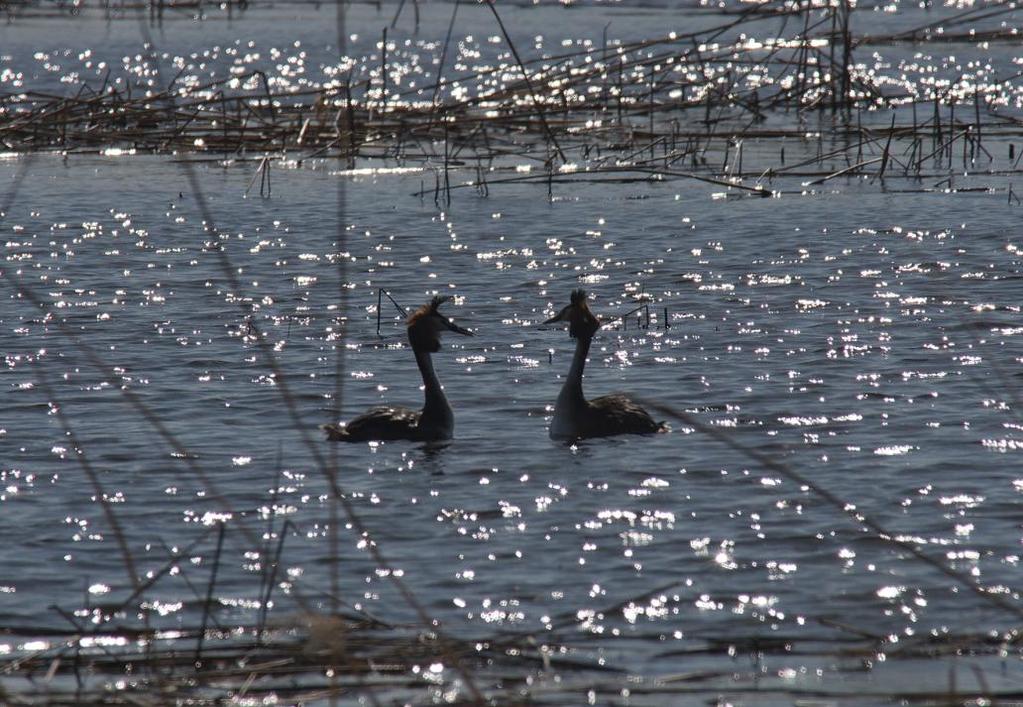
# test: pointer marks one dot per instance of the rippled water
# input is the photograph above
(865, 337)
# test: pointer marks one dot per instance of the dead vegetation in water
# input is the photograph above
(715, 105)
(321, 658)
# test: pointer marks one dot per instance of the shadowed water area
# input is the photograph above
(178, 323)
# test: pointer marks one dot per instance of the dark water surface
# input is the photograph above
(866, 337)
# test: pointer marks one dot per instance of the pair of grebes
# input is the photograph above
(575, 417)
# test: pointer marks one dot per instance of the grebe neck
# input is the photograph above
(436, 410)
(570, 408)
(573, 387)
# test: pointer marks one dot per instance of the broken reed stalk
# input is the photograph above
(271, 581)
(887, 148)
(439, 83)
(381, 292)
(91, 474)
(846, 54)
(529, 84)
(880, 533)
(209, 596)
(268, 532)
(383, 71)
(332, 470)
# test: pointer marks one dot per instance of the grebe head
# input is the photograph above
(582, 323)
(426, 325)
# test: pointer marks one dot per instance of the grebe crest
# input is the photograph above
(426, 324)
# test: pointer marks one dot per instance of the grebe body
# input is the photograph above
(575, 417)
(436, 421)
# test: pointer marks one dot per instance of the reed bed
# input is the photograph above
(712, 105)
(320, 658)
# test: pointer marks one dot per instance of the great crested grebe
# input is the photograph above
(435, 421)
(575, 417)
